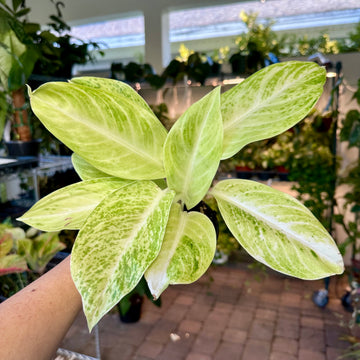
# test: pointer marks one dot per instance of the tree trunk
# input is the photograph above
(21, 126)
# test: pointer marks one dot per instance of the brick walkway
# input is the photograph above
(231, 313)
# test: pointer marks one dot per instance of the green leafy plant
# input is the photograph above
(39, 251)
(313, 170)
(256, 43)
(350, 133)
(24, 256)
(27, 49)
(220, 55)
(18, 56)
(132, 224)
(10, 262)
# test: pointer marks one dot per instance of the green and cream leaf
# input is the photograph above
(105, 129)
(85, 170)
(193, 149)
(277, 230)
(113, 87)
(69, 207)
(186, 253)
(116, 245)
(269, 102)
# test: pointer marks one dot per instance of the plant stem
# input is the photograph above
(22, 285)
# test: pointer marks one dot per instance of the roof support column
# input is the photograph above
(157, 37)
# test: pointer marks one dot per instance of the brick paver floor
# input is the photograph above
(231, 313)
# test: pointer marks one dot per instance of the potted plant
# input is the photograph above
(24, 256)
(189, 64)
(258, 46)
(18, 56)
(351, 177)
(130, 305)
(218, 57)
(32, 55)
(131, 225)
(238, 63)
(312, 168)
(198, 68)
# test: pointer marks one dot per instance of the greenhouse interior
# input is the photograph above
(180, 180)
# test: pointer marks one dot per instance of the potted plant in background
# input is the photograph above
(349, 214)
(312, 169)
(30, 54)
(18, 56)
(188, 64)
(129, 306)
(24, 256)
(218, 57)
(258, 46)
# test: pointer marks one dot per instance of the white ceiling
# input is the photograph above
(84, 11)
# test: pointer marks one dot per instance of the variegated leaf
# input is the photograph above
(193, 149)
(85, 170)
(69, 207)
(6, 243)
(118, 242)
(277, 230)
(113, 87)
(269, 102)
(186, 253)
(11, 264)
(109, 131)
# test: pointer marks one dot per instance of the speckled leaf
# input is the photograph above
(113, 87)
(269, 102)
(186, 253)
(85, 170)
(68, 207)
(277, 230)
(109, 131)
(118, 242)
(193, 148)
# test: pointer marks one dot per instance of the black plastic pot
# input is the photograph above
(134, 312)
(238, 63)
(265, 174)
(244, 172)
(23, 148)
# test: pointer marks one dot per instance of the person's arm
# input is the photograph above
(34, 321)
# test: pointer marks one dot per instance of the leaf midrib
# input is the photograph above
(313, 246)
(231, 124)
(177, 239)
(108, 133)
(190, 169)
(128, 243)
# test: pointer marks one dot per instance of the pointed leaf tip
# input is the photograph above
(118, 242)
(186, 253)
(277, 230)
(193, 149)
(269, 102)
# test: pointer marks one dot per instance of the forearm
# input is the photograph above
(34, 321)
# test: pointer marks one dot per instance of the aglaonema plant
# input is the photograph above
(133, 222)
